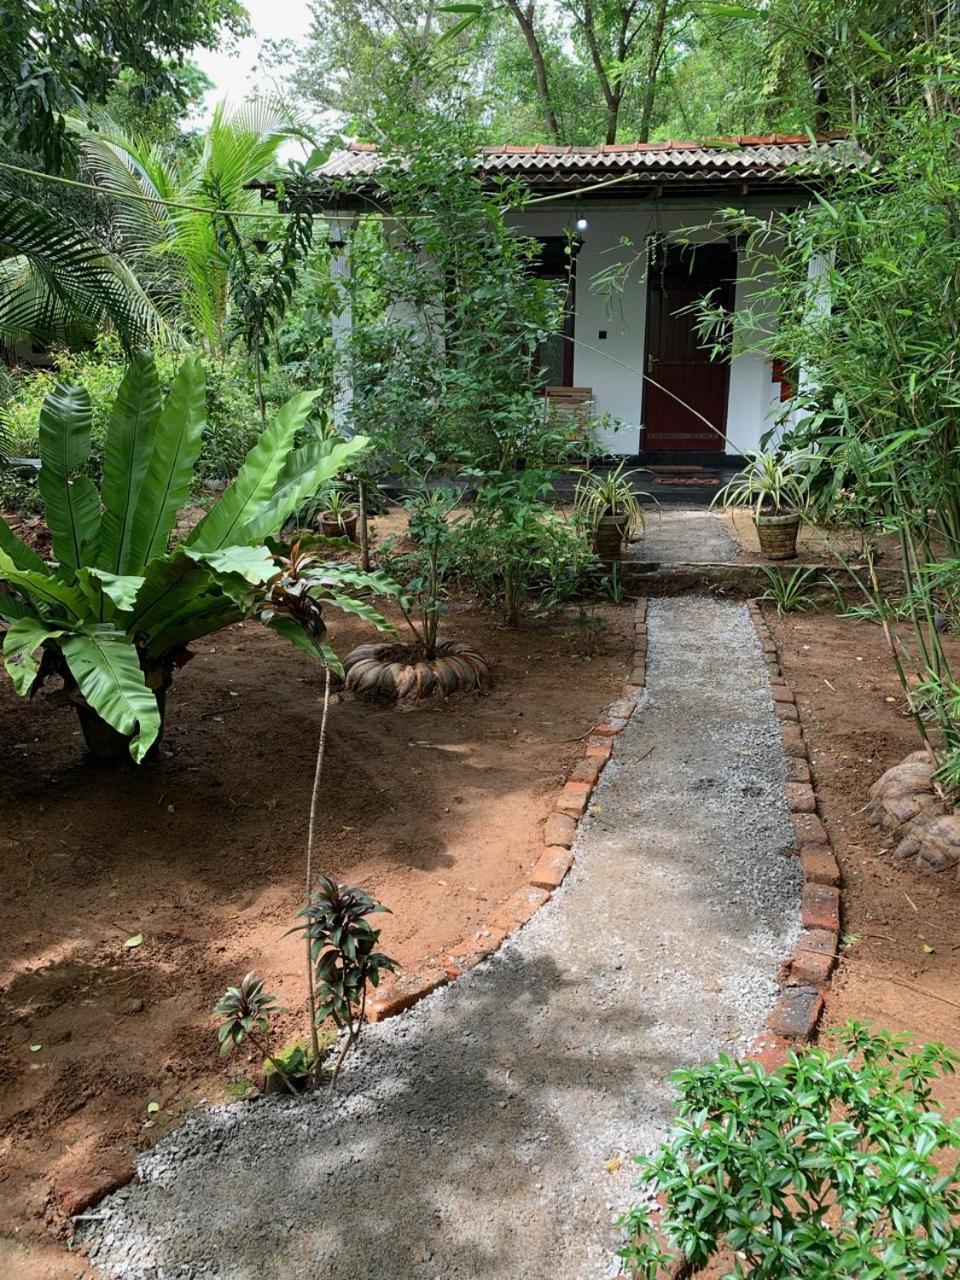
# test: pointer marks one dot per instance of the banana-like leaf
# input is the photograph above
(130, 440)
(169, 476)
(349, 604)
(253, 564)
(43, 589)
(11, 607)
(21, 555)
(285, 626)
(70, 501)
(244, 514)
(305, 472)
(108, 592)
(170, 584)
(107, 669)
(207, 615)
(20, 644)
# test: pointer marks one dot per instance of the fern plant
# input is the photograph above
(114, 615)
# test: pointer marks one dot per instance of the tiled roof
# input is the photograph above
(771, 157)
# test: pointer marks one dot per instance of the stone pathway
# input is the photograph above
(476, 1137)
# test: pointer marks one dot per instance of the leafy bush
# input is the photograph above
(114, 615)
(515, 543)
(232, 422)
(829, 1167)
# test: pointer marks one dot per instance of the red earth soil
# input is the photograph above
(435, 809)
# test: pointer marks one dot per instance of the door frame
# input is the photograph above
(729, 292)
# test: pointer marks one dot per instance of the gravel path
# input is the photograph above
(684, 535)
(473, 1137)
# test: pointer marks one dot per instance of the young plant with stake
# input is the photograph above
(341, 960)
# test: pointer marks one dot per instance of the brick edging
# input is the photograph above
(805, 975)
(556, 858)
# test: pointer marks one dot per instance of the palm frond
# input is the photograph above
(55, 277)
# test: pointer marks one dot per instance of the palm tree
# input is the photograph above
(177, 249)
(57, 281)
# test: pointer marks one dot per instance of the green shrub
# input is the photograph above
(232, 418)
(831, 1166)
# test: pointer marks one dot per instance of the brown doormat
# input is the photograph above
(691, 482)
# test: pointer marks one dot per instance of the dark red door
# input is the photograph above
(681, 376)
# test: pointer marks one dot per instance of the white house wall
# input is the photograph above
(613, 366)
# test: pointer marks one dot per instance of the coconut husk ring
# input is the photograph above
(395, 671)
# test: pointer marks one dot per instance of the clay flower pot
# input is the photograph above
(608, 536)
(395, 671)
(344, 526)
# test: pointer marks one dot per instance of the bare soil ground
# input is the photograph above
(435, 809)
(900, 966)
(815, 545)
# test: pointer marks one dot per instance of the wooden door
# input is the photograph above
(680, 370)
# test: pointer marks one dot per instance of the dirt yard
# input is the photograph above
(436, 810)
(900, 964)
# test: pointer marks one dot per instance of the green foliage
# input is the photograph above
(58, 55)
(182, 254)
(427, 560)
(57, 280)
(831, 1166)
(790, 595)
(232, 418)
(515, 543)
(770, 484)
(609, 493)
(343, 950)
(116, 611)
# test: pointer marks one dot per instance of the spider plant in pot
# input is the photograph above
(337, 519)
(429, 665)
(611, 508)
(776, 489)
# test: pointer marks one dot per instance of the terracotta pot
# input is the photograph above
(339, 526)
(105, 743)
(777, 534)
(608, 536)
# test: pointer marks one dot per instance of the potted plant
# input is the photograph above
(430, 665)
(112, 615)
(776, 488)
(611, 507)
(337, 519)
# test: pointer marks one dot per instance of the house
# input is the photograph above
(631, 358)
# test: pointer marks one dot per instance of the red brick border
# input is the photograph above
(805, 975)
(555, 859)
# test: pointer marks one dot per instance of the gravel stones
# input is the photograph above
(486, 1133)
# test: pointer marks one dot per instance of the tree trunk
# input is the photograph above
(524, 19)
(653, 66)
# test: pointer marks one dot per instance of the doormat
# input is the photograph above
(690, 482)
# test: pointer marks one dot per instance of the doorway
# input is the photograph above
(681, 375)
